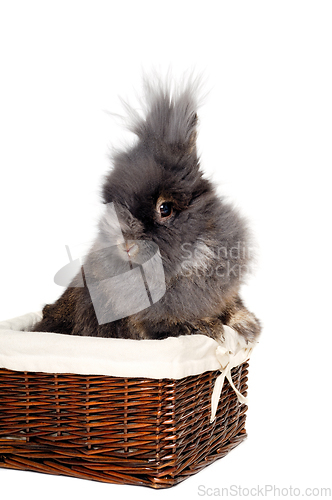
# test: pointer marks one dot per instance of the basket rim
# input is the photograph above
(173, 357)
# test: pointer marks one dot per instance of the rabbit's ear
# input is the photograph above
(191, 146)
(169, 116)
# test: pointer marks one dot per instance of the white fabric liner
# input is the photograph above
(173, 358)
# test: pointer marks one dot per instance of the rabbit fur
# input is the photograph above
(161, 196)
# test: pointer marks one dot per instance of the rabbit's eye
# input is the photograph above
(166, 209)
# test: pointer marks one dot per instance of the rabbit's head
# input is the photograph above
(160, 195)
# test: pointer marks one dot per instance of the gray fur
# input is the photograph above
(202, 290)
(169, 114)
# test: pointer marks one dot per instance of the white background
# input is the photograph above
(265, 138)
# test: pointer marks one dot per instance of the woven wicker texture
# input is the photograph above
(130, 431)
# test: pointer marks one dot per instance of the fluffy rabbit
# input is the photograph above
(161, 196)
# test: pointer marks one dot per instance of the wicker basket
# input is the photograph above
(141, 431)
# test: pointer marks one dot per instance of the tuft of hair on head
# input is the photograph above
(168, 112)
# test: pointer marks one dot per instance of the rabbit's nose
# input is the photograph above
(131, 247)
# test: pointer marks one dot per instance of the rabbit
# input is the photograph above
(162, 198)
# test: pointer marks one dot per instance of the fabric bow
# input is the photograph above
(232, 352)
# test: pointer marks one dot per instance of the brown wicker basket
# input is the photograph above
(118, 430)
